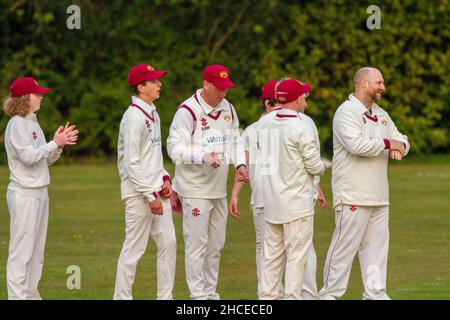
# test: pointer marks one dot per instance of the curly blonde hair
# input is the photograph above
(17, 105)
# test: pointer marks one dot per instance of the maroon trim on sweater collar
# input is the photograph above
(209, 114)
(151, 117)
(286, 116)
(368, 116)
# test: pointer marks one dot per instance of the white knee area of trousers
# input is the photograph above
(362, 230)
(204, 229)
(309, 289)
(141, 223)
(28, 210)
(291, 240)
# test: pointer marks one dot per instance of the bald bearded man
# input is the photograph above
(364, 136)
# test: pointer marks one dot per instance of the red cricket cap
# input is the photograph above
(268, 90)
(143, 72)
(219, 76)
(26, 85)
(290, 89)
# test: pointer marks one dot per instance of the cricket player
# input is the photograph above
(145, 187)
(249, 136)
(364, 136)
(204, 138)
(29, 156)
(288, 158)
(269, 104)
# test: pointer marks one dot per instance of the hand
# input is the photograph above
(69, 128)
(242, 174)
(321, 198)
(156, 207)
(175, 201)
(233, 207)
(166, 191)
(396, 155)
(212, 159)
(328, 164)
(397, 146)
(67, 135)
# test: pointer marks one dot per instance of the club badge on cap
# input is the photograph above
(219, 76)
(143, 72)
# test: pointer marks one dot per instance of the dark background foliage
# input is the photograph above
(320, 42)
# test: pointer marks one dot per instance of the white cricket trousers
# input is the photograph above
(309, 290)
(362, 230)
(204, 230)
(293, 241)
(140, 223)
(260, 225)
(28, 210)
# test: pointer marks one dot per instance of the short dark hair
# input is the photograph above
(272, 103)
(135, 88)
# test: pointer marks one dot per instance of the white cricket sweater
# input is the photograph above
(29, 154)
(288, 158)
(360, 158)
(196, 129)
(249, 137)
(140, 159)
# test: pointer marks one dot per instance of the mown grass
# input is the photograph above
(86, 229)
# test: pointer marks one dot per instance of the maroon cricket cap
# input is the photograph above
(268, 90)
(26, 85)
(290, 89)
(219, 76)
(143, 72)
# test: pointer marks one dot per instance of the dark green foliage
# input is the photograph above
(321, 42)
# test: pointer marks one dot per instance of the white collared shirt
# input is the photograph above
(359, 175)
(29, 154)
(140, 159)
(288, 159)
(214, 130)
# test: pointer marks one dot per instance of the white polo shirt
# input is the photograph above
(29, 154)
(196, 129)
(140, 159)
(359, 175)
(288, 158)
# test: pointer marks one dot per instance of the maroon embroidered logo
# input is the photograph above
(34, 135)
(353, 208)
(204, 124)
(195, 212)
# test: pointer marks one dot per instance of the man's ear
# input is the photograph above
(364, 83)
(141, 85)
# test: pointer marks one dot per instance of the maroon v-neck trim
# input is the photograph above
(368, 116)
(151, 117)
(209, 115)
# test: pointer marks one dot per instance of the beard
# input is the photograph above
(374, 94)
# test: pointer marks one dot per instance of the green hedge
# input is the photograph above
(321, 42)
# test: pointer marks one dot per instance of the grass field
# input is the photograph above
(86, 228)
